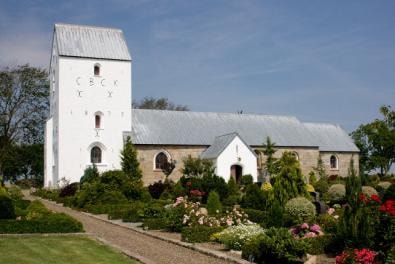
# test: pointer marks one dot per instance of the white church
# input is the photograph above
(91, 113)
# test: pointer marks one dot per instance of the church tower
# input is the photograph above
(90, 101)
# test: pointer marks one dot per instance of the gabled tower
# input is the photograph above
(90, 101)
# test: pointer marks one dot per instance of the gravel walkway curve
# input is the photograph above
(149, 250)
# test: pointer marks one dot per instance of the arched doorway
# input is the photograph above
(236, 171)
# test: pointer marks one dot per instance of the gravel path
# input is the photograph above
(150, 250)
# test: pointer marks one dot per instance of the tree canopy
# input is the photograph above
(24, 104)
(160, 104)
(376, 141)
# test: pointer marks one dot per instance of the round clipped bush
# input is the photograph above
(7, 210)
(299, 210)
(369, 191)
(336, 192)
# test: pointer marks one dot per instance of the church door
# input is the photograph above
(236, 171)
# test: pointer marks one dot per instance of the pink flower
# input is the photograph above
(315, 228)
(304, 226)
(330, 211)
(310, 234)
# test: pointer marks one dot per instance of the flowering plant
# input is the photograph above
(306, 231)
(195, 215)
(357, 256)
(388, 207)
(235, 237)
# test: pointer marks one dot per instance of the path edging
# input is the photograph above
(194, 247)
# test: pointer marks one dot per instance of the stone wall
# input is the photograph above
(147, 153)
(307, 156)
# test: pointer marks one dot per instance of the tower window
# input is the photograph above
(96, 155)
(96, 69)
(160, 161)
(97, 121)
(334, 162)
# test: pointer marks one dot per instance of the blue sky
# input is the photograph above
(324, 61)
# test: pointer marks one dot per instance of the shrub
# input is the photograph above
(15, 193)
(321, 186)
(385, 185)
(275, 215)
(310, 188)
(153, 211)
(154, 223)
(266, 187)
(231, 200)
(198, 234)
(369, 191)
(337, 193)
(256, 216)
(36, 210)
(235, 237)
(276, 245)
(156, 189)
(53, 223)
(129, 162)
(312, 178)
(390, 193)
(299, 210)
(233, 188)
(90, 174)
(215, 183)
(320, 244)
(7, 209)
(69, 190)
(254, 198)
(214, 205)
(246, 180)
(328, 223)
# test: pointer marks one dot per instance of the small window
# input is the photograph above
(160, 161)
(96, 70)
(334, 162)
(97, 121)
(96, 155)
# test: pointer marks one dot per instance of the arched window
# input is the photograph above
(295, 154)
(97, 121)
(334, 162)
(96, 70)
(96, 155)
(160, 160)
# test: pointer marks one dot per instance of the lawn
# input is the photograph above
(32, 249)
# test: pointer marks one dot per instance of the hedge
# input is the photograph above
(54, 223)
(320, 244)
(198, 234)
(154, 223)
(256, 216)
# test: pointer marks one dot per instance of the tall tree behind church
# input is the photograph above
(24, 94)
(159, 104)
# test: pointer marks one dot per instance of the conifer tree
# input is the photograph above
(130, 164)
(269, 152)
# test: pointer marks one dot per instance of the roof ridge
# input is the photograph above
(87, 26)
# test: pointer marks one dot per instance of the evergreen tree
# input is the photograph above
(288, 181)
(233, 189)
(130, 164)
(269, 152)
(320, 169)
(214, 205)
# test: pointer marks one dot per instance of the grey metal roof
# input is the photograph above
(331, 137)
(220, 144)
(91, 42)
(201, 128)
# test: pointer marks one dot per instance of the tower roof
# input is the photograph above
(91, 42)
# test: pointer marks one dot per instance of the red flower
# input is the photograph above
(362, 198)
(388, 207)
(375, 198)
(196, 193)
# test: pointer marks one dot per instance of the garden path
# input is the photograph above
(148, 249)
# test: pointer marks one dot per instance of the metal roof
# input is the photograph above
(200, 128)
(220, 144)
(91, 42)
(331, 137)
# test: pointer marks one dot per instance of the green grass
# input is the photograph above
(32, 249)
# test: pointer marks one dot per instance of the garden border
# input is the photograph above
(194, 247)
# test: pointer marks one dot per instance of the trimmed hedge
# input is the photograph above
(256, 216)
(54, 223)
(198, 234)
(7, 209)
(155, 223)
(320, 244)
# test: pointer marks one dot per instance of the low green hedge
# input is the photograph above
(154, 223)
(54, 223)
(256, 216)
(198, 234)
(320, 245)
